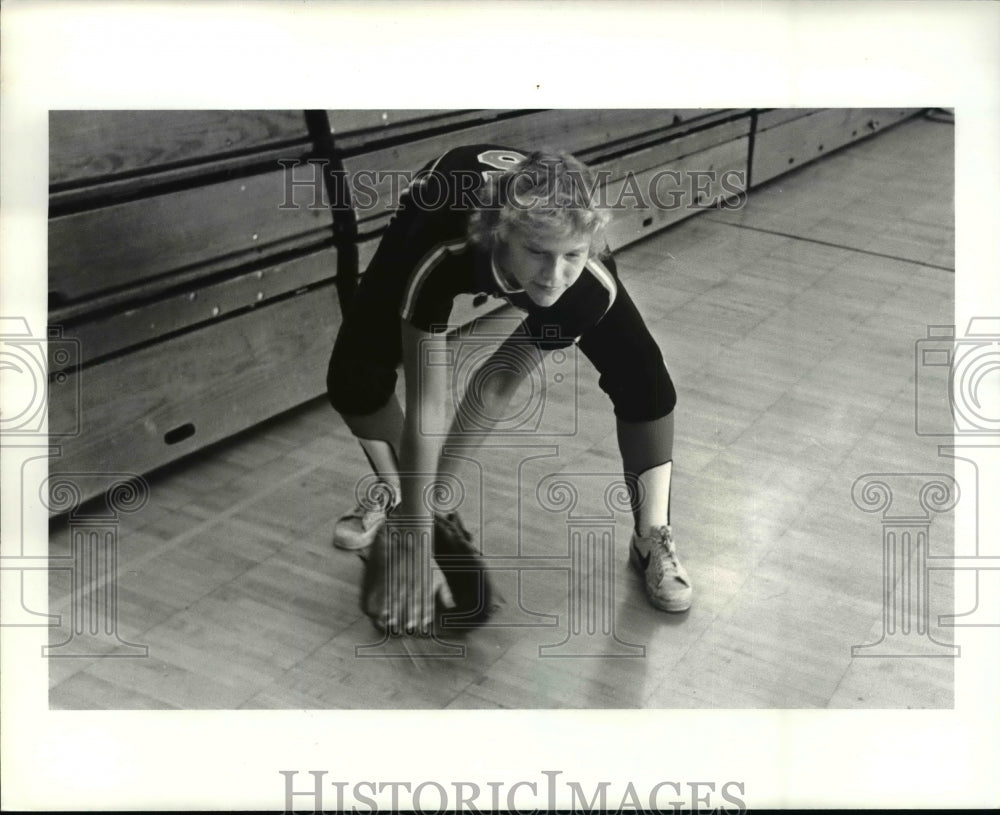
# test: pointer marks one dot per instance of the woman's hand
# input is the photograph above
(402, 580)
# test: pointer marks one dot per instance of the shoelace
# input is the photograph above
(663, 538)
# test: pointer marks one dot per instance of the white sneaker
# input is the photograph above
(357, 528)
(655, 557)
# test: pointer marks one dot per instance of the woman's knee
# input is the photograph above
(358, 387)
(641, 388)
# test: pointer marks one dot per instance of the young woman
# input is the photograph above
(485, 219)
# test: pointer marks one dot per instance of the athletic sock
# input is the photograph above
(654, 509)
(647, 460)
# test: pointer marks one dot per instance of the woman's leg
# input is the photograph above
(634, 376)
(361, 386)
(647, 460)
(379, 435)
(632, 373)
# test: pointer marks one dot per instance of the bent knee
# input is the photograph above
(358, 387)
(641, 389)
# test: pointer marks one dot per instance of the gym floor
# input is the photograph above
(790, 327)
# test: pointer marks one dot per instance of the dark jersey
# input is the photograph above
(425, 259)
(427, 244)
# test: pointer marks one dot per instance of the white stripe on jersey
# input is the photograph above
(423, 270)
(504, 286)
(604, 277)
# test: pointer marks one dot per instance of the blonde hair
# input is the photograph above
(547, 192)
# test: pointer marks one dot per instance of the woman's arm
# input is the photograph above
(423, 429)
(412, 576)
(415, 576)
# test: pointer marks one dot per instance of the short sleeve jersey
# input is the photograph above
(427, 241)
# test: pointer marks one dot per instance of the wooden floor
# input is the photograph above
(789, 327)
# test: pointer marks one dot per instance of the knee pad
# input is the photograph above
(358, 387)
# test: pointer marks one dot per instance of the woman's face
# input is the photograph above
(545, 264)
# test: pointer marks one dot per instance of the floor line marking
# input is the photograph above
(833, 245)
